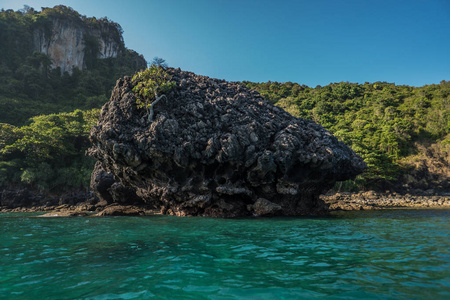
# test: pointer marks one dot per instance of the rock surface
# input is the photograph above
(371, 200)
(215, 148)
(64, 214)
(264, 207)
(65, 41)
(108, 190)
(120, 211)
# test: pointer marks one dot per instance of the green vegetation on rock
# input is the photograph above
(151, 85)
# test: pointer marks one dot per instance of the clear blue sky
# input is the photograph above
(312, 42)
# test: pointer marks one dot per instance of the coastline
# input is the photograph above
(371, 200)
(336, 202)
(85, 209)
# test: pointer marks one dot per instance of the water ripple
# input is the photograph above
(370, 255)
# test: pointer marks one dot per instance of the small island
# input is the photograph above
(49, 103)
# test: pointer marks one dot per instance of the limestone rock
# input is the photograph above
(120, 211)
(65, 42)
(101, 181)
(264, 207)
(214, 148)
(63, 214)
(108, 190)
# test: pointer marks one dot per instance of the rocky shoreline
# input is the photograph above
(85, 209)
(369, 200)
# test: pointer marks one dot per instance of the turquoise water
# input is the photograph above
(396, 254)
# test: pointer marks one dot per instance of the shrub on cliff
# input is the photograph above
(151, 85)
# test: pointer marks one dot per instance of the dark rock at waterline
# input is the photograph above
(12, 198)
(263, 207)
(108, 190)
(15, 197)
(64, 214)
(215, 148)
(120, 211)
(101, 181)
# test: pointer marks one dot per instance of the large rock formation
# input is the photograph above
(215, 148)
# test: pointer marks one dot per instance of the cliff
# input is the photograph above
(66, 45)
(69, 41)
(38, 49)
(67, 37)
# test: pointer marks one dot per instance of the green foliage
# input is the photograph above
(379, 121)
(91, 50)
(49, 153)
(40, 146)
(28, 84)
(150, 84)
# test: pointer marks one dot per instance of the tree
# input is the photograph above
(158, 61)
(151, 86)
(48, 154)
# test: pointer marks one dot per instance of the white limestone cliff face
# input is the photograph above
(109, 48)
(66, 48)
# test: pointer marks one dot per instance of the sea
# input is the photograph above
(386, 254)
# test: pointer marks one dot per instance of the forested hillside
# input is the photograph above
(402, 132)
(31, 85)
(46, 113)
